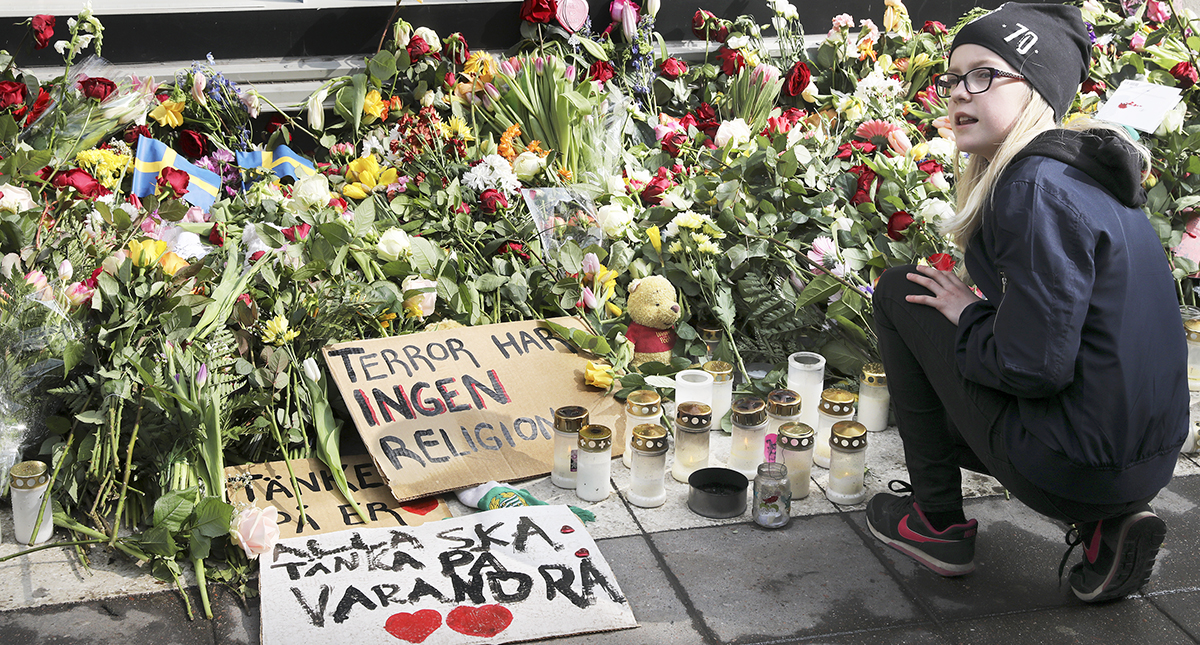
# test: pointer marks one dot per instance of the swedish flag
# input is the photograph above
(284, 162)
(154, 155)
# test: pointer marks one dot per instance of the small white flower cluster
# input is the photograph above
(878, 86)
(493, 172)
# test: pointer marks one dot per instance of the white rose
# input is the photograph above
(933, 210)
(402, 31)
(424, 301)
(614, 219)
(429, 98)
(257, 530)
(429, 36)
(312, 192)
(316, 109)
(10, 261)
(615, 185)
(735, 132)
(15, 199)
(1173, 121)
(527, 165)
(942, 149)
(737, 42)
(393, 244)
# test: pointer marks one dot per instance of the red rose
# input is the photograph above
(81, 181)
(492, 200)
(97, 88)
(652, 193)
(39, 106)
(673, 141)
(1093, 87)
(297, 232)
(131, 135)
(516, 248)
(1185, 74)
(417, 47)
(192, 144)
(935, 28)
(930, 166)
(601, 70)
(707, 26)
(11, 93)
(731, 60)
(257, 255)
(899, 221)
(797, 79)
(539, 11)
(457, 49)
(942, 261)
(215, 236)
(174, 180)
(43, 30)
(673, 68)
(705, 118)
(846, 150)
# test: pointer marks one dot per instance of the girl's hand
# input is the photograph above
(950, 295)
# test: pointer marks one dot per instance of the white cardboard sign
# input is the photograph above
(510, 574)
(1139, 104)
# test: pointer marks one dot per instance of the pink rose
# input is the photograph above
(425, 300)
(1159, 12)
(257, 530)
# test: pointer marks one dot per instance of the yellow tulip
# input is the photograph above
(388, 177)
(146, 252)
(655, 238)
(172, 263)
(168, 113)
(613, 310)
(354, 191)
(598, 375)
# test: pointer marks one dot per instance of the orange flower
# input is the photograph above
(505, 148)
(565, 174)
(536, 146)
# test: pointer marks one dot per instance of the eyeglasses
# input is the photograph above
(977, 80)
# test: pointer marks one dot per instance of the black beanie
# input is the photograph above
(1048, 44)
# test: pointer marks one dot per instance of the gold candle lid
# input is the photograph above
(29, 474)
(650, 437)
(872, 374)
(1193, 330)
(794, 435)
(848, 435)
(692, 415)
(595, 438)
(710, 331)
(749, 411)
(570, 418)
(644, 403)
(720, 370)
(836, 402)
(783, 403)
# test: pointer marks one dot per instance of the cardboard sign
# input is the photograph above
(450, 409)
(325, 509)
(511, 574)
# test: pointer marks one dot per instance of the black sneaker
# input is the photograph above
(899, 523)
(1118, 556)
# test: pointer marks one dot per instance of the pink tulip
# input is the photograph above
(78, 295)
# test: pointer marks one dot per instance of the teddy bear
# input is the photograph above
(654, 312)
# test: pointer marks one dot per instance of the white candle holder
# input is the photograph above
(649, 466)
(28, 486)
(692, 423)
(595, 463)
(847, 464)
(749, 431)
(694, 385)
(722, 389)
(806, 377)
(836, 405)
(642, 406)
(796, 445)
(783, 406)
(873, 398)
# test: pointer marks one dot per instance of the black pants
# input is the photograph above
(947, 422)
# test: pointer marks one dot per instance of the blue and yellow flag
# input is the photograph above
(284, 162)
(154, 155)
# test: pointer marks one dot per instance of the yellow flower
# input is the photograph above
(613, 310)
(456, 128)
(708, 247)
(354, 191)
(276, 331)
(146, 252)
(480, 66)
(107, 166)
(655, 238)
(675, 247)
(172, 263)
(364, 175)
(373, 104)
(598, 375)
(168, 113)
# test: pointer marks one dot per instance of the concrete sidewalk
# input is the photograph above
(689, 580)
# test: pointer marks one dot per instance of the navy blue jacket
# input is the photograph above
(1081, 322)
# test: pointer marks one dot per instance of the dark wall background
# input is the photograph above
(132, 38)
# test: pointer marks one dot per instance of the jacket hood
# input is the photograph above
(1102, 154)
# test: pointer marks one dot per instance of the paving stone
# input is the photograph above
(158, 618)
(1181, 607)
(235, 620)
(1128, 621)
(662, 617)
(1179, 559)
(811, 578)
(908, 635)
(1016, 557)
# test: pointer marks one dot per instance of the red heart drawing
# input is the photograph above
(582, 553)
(566, 529)
(486, 621)
(421, 506)
(414, 627)
(572, 14)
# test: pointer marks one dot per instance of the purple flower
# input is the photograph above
(202, 375)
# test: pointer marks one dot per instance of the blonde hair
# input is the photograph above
(977, 179)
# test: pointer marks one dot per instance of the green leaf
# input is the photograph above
(159, 541)
(271, 235)
(425, 256)
(593, 48)
(212, 517)
(819, 290)
(308, 271)
(173, 508)
(199, 545)
(364, 217)
(173, 210)
(382, 66)
(580, 339)
(72, 354)
(336, 232)
(570, 256)
(90, 417)
(490, 282)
